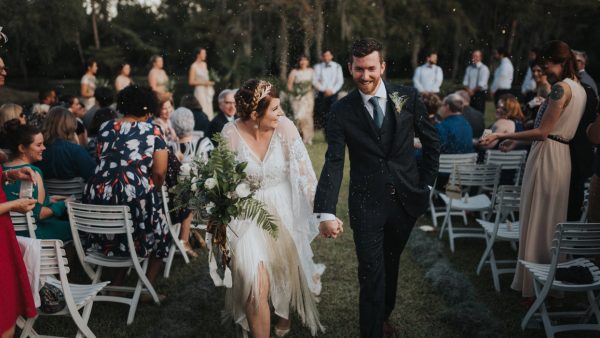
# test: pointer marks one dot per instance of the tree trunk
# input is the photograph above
(319, 27)
(283, 46)
(414, 57)
(511, 38)
(79, 48)
(95, 25)
(247, 40)
(457, 53)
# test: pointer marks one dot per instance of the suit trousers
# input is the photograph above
(378, 248)
(322, 108)
(478, 101)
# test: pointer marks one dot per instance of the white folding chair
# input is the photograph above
(447, 163)
(110, 220)
(69, 187)
(507, 202)
(24, 222)
(512, 160)
(575, 240)
(470, 176)
(204, 149)
(77, 296)
(174, 230)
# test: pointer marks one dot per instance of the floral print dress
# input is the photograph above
(124, 177)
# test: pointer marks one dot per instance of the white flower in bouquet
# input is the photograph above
(209, 207)
(243, 190)
(194, 187)
(210, 183)
(185, 169)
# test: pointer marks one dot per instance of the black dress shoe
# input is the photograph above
(389, 331)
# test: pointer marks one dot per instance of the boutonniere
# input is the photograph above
(3, 37)
(398, 101)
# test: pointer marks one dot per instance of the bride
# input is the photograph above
(266, 269)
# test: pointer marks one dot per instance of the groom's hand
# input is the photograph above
(331, 229)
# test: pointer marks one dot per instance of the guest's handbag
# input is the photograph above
(52, 299)
(453, 187)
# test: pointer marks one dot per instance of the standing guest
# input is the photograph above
(509, 118)
(299, 85)
(503, 75)
(15, 291)
(228, 113)
(74, 106)
(88, 84)
(101, 116)
(429, 76)
(26, 145)
(581, 59)
(542, 89)
(63, 158)
(476, 81)
(545, 191)
(528, 87)
(48, 97)
(158, 78)
(124, 78)
(456, 135)
(203, 87)
(474, 117)
(328, 80)
(132, 168)
(105, 97)
(388, 191)
(201, 121)
(593, 134)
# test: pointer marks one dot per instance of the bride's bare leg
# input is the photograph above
(259, 319)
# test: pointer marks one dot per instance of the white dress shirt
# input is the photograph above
(477, 75)
(528, 82)
(328, 76)
(503, 76)
(428, 78)
(381, 94)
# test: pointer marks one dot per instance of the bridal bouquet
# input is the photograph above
(218, 190)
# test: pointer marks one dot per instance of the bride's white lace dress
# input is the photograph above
(288, 184)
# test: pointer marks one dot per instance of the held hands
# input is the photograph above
(488, 139)
(331, 229)
(23, 205)
(508, 145)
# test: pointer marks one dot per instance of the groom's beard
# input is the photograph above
(367, 87)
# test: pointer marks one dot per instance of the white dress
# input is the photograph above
(288, 185)
(204, 93)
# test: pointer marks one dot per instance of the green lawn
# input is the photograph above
(193, 307)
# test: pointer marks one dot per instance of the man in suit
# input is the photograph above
(226, 114)
(388, 189)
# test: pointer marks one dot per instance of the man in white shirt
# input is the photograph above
(529, 86)
(429, 76)
(503, 76)
(328, 80)
(476, 81)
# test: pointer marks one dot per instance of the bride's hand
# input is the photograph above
(340, 224)
(329, 229)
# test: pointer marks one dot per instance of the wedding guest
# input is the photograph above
(158, 78)
(541, 93)
(63, 158)
(433, 103)
(37, 116)
(474, 117)
(328, 79)
(545, 189)
(475, 81)
(593, 133)
(528, 87)
(201, 121)
(3, 72)
(10, 111)
(26, 145)
(203, 87)
(227, 113)
(104, 97)
(101, 116)
(509, 118)
(299, 85)
(120, 181)
(47, 96)
(503, 75)
(456, 135)
(182, 121)
(74, 106)
(88, 84)
(428, 77)
(162, 118)
(581, 60)
(124, 78)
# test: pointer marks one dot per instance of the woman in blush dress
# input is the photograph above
(302, 98)
(203, 87)
(124, 78)
(158, 79)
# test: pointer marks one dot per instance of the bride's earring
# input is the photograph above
(256, 126)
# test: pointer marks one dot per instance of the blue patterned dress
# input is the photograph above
(124, 177)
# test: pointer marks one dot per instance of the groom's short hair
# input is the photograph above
(363, 47)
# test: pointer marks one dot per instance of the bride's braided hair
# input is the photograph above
(254, 95)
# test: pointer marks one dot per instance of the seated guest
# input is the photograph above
(76, 108)
(64, 158)
(38, 115)
(48, 97)
(104, 97)
(227, 112)
(509, 118)
(472, 115)
(101, 116)
(432, 103)
(456, 135)
(10, 111)
(162, 118)
(201, 121)
(132, 167)
(182, 121)
(26, 145)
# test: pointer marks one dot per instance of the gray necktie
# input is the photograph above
(377, 112)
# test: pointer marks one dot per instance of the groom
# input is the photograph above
(388, 188)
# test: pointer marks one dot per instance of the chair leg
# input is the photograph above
(28, 327)
(450, 233)
(87, 311)
(494, 269)
(433, 213)
(593, 310)
(539, 301)
(169, 262)
(445, 222)
(464, 216)
(485, 255)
